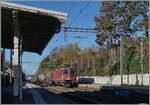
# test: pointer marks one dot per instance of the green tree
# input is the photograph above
(119, 18)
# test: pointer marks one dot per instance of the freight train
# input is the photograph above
(61, 77)
(64, 77)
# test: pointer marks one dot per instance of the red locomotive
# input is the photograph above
(64, 77)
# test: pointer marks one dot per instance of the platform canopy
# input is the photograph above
(37, 26)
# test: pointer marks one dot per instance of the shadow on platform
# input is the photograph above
(104, 96)
(8, 98)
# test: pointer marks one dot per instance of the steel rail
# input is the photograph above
(79, 97)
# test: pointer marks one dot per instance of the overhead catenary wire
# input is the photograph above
(78, 15)
(69, 9)
(77, 29)
(66, 29)
(79, 37)
(74, 30)
(31, 62)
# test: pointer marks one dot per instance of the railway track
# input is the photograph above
(83, 95)
(69, 93)
(89, 96)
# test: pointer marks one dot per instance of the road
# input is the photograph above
(80, 95)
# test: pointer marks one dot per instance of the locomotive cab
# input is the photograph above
(69, 77)
(64, 77)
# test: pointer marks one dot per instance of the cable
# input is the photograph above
(80, 37)
(81, 10)
(77, 29)
(69, 9)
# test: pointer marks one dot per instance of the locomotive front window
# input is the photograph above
(72, 72)
(65, 71)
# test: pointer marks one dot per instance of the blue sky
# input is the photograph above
(85, 19)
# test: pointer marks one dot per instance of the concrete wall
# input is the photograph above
(116, 79)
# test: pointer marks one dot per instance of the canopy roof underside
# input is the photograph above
(37, 26)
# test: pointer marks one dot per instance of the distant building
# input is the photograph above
(31, 78)
(7, 75)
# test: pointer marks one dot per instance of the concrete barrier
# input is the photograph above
(134, 79)
(96, 86)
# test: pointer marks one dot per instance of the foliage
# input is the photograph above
(117, 18)
(73, 53)
(121, 18)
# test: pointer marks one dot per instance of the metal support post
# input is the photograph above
(11, 53)
(88, 66)
(16, 58)
(121, 59)
(81, 63)
(93, 65)
(70, 62)
(16, 66)
(20, 74)
(3, 65)
(142, 63)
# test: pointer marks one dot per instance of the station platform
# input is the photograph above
(32, 94)
(8, 98)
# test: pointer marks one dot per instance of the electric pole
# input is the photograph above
(81, 62)
(93, 65)
(142, 63)
(121, 59)
(11, 54)
(3, 64)
(88, 61)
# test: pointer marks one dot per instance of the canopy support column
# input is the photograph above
(20, 72)
(3, 66)
(11, 54)
(16, 59)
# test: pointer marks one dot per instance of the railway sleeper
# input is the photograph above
(83, 100)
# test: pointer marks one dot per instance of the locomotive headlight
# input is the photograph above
(74, 80)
